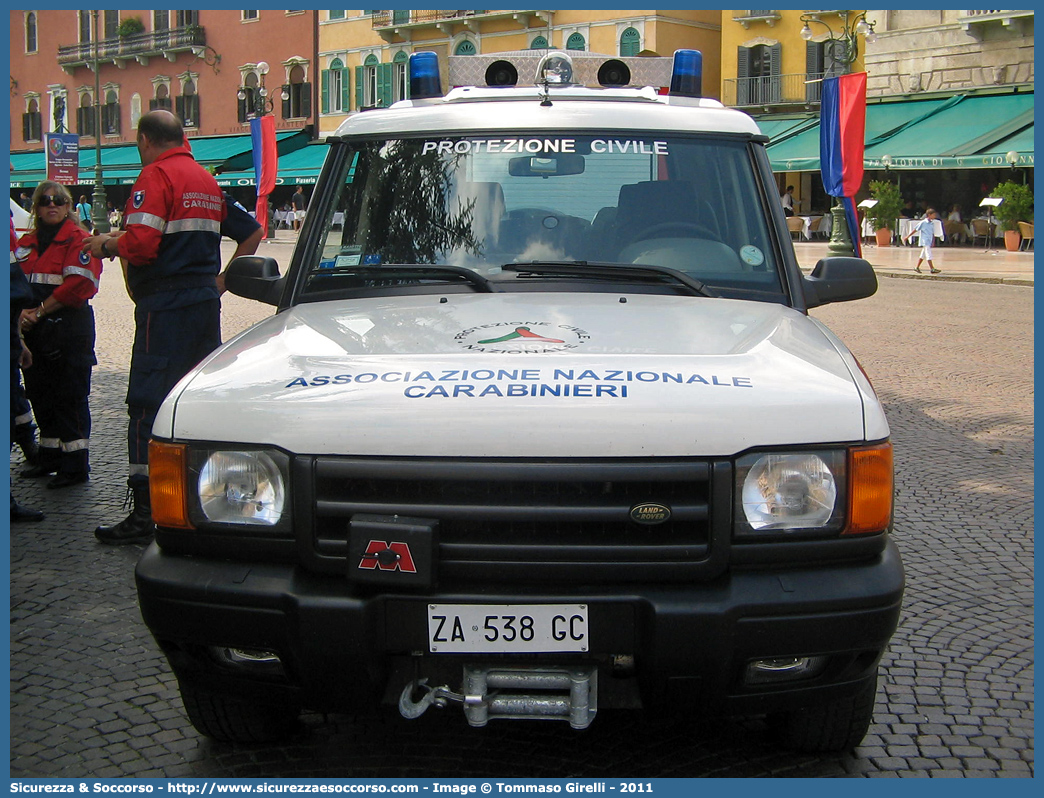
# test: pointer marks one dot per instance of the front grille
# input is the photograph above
(529, 520)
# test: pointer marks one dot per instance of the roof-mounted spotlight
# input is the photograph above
(687, 76)
(614, 73)
(501, 73)
(425, 81)
(556, 69)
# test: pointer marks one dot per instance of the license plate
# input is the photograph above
(506, 628)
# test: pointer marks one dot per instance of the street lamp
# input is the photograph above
(99, 202)
(262, 104)
(849, 34)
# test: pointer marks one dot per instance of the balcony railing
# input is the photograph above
(137, 45)
(387, 19)
(396, 24)
(973, 21)
(802, 89)
(744, 18)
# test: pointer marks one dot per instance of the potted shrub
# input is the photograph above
(883, 215)
(130, 26)
(1017, 207)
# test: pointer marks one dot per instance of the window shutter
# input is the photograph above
(813, 70)
(630, 40)
(306, 100)
(775, 70)
(813, 59)
(834, 58)
(385, 78)
(360, 88)
(27, 127)
(287, 104)
(242, 109)
(324, 91)
(742, 76)
(190, 110)
(346, 94)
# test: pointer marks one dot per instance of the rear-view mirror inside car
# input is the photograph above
(546, 165)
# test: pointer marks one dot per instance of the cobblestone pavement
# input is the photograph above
(91, 696)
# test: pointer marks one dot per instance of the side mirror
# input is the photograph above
(254, 277)
(839, 280)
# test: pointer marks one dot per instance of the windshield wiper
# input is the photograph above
(597, 270)
(405, 272)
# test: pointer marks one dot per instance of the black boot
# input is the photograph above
(25, 436)
(20, 512)
(44, 464)
(136, 527)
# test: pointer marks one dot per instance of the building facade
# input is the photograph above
(940, 50)
(363, 55)
(207, 66)
(768, 65)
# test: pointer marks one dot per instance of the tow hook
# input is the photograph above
(433, 696)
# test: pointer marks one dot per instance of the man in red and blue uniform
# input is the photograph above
(171, 250)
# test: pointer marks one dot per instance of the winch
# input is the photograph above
(517, 693)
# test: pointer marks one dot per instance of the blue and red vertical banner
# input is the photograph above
(263, 139)
(842, 130)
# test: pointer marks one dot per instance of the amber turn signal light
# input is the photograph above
(168, 475)
(870, 489)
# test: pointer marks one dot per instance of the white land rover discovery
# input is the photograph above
(540, 425)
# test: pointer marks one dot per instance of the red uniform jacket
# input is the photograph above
(173, 231)
(73, 275)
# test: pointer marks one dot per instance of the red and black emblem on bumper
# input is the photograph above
(392, 550)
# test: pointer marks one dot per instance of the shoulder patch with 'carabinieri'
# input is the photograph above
(138, 198)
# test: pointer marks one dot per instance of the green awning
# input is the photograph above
(780, 126)
(959, 132)
(1020, 143)
(285, 144)
(121, 164)
(951, 137)
(300, 166)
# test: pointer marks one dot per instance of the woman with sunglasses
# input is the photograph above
(59, 332)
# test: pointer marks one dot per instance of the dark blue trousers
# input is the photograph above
(167, 345)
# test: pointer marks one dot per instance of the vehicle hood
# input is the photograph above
(527, 375)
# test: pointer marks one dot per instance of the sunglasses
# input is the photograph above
(49, 199)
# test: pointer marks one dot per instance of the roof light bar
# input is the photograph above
(425, 81)
(687, 76)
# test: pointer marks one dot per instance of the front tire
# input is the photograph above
(836, 726)
(237, 720)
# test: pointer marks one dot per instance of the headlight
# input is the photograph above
(791, 491)
(241, 487)
(199, 486)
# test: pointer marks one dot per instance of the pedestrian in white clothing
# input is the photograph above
(925, 230)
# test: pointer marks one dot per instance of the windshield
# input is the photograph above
(685, 203)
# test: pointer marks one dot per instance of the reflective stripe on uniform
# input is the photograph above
(25, 418)
(81, 272)
(138, 470)
(50, 443)
(75, 446)
(46, 279)
(147, 219)
(194, 225)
